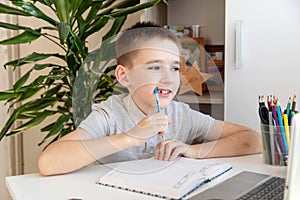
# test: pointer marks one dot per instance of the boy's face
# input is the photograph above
(155, 65)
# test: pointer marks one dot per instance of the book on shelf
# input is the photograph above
(164, 179)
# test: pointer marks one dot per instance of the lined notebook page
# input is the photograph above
(169, 179)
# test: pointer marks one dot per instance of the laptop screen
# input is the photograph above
(292, 191)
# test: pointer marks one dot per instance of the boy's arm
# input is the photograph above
(228, 139)
(78, 149)
(72, 152)
(225, 139)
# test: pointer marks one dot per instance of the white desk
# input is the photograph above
(81, 184)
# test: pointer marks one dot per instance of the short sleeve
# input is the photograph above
(202, 125)
(96, 124)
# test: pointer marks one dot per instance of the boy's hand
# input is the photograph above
(170, 149)
(148, 127)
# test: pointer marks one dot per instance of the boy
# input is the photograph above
(129, 126)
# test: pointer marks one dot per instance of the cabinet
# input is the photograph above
(212, 99)
(214, 65)
(202, 53)
(191, 45)
(210, 60)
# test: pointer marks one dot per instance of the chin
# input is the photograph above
(165, 104)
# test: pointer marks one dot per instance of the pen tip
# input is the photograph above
(155, 90)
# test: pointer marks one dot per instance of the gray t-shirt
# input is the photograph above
(119, 114)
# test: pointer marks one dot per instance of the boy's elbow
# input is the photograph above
(44, 166)
(254, 143)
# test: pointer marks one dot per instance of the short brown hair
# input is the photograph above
(130, 40)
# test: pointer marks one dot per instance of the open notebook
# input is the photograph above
(165, 179)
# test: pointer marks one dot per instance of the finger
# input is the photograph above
(159, 121)
(168, 150)
(159, 117)
(156, 153)
(163, 130)
(146, 121)
(161, 126)
(177, 151)
(165, 127)
(161, 150)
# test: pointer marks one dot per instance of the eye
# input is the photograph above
(154, 67)
(175, 68)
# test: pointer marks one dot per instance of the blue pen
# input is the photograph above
(280, 120)
(157, 99)
(157, 102)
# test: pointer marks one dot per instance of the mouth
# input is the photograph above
(164, 92)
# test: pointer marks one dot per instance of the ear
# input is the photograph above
(121, 75)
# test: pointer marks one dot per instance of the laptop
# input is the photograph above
(244, 184)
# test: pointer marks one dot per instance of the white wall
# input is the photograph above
(209, 14)
(271, 56)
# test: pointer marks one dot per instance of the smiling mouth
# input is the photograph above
(164, 91)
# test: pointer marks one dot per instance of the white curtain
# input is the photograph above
(5, 158)
(10, 159)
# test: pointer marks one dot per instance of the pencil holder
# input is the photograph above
(276, 143)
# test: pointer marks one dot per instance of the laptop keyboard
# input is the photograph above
(271, 189)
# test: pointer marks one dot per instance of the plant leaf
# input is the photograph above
(126, 4)
(34, 11)
(10, 10)
(108, 3)
(48, 127)
(8, 95)
(83, 6)
(65, 131)
(39, 104)
(100, 23)
(45, 2)
(116, 27)
(63, 30)
(21, 81)
(13, 26)
(25, 37)
(49, 93)
(29, 93)
(26, 115)
(57, 127)
(13, 117)
(75, 4)
(75, 21)
(55, 77)
(108, 78)
(33, 122)
(31, 58)
(62, 10)
(134, 9)
(95, 7)
(42, 66)
(78, 44)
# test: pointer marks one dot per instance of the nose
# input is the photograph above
(166, 76)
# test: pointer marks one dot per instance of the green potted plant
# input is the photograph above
(51, 92)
